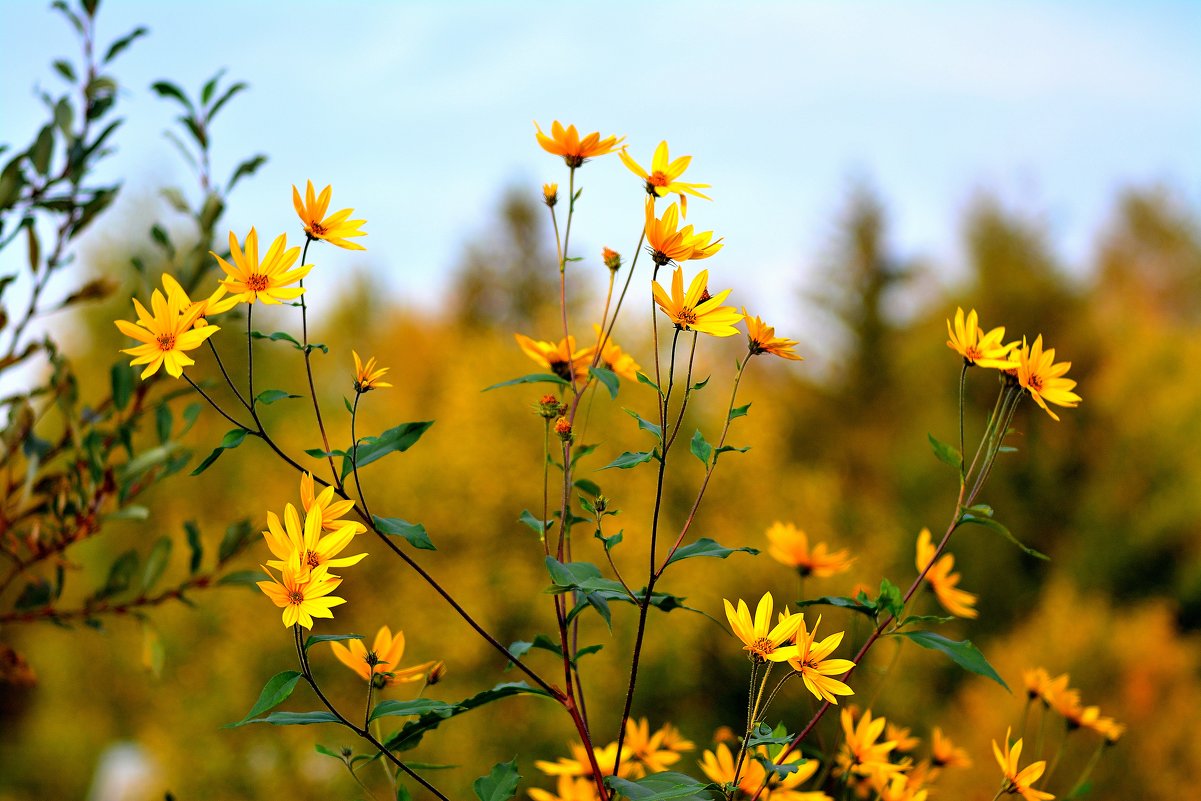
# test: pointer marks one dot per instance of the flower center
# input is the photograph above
(257, 282)
(1035, 382)
(763, 646)
(311, 558)
(685, 317)
(166, 342)
(562, 369)
(658, 179)
(573, 160)
(972, 354)
(317, 230)
(296, 597)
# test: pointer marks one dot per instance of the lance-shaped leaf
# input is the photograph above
(962, 653)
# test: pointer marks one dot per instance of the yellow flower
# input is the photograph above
(719, 766)
(380, 664)
(1019, 782)
(860, 754)
(215, 303)
(662, 178)
(568, 789)
(897, 787)
(816, 668)
(1043, 379)
(615, 359)
(550, 194)
(575, 151)
(249, 280)
(331, 511)
(944, 753)
(653, 753)
(976, 347)
(900, 735)
(333, 229)
(696, 309)
(305, 539)
(367, 376)
(1110, 729)
(762, 338)
(790, 546)
(302, 593)
(164, 335)
(562, 359)
(956, 601)
(666, 244)
(580, 766)
(760, 639)
(1035, 680)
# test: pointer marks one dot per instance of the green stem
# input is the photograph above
(308, 368)
(962, 456)
(1088, 769)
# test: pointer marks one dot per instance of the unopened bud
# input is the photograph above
(612, 259)
(600, 504)
(550, 194)
(436, 673)
(563, 429)
(549, 407)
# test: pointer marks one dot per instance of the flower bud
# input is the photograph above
(549, 408)
(612, 259)
(550, 194)
(563, 429)
(436, 673)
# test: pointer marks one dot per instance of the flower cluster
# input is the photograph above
(644, 752)
(306, 550)
(1056, 696)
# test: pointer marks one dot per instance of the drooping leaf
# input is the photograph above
(707, 547)
(413, 532)
(194, 546)
(120, 575)
(701, 448)
(275, 692)
(412, 708)
(842, 602)
(395, 440)
(297, 718)
(945, 453)
(532, 378)
(232, 439)
(606, 377)
(962, 653)
(630, 459)
(667, 786)
(646, 425)
(643, 378)
(313, 639)
(156, 562)
(989, 523)
(411, 733)
(539, 526)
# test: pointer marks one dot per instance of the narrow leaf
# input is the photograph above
(962, 653)
(275, 692)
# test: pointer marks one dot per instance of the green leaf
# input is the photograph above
(707, 547)
(413, 708)
(501, 782)
(232, 439)
(700, 448)
(194, 545)
(606, 377)
(643, 378)
(532, 378)
(121, 376)
(313, 639)
(630, 459)
(739, 411)
(402, 793)
(842, 602)
(120, 575)
(168, 89)
(278, 336)
(988, 522)
(646, 425)
(125, 41)
(766, 735)
(65, 69)
(962, 653)
(34, 595)
(398, 439)
(163, 422)
(413, 532)
(297, 718)
(270, 396)
(156, 563)
(241, 578)
(275, 692)
(42, 149)
(936, 619)
(890, 599)
(668, 786)
(248, 167)
(700, 384)
(411, 733)
(609, 542)
(946, 454)
(539, 526)
(236, 536)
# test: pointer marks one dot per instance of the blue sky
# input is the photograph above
(420, 115)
